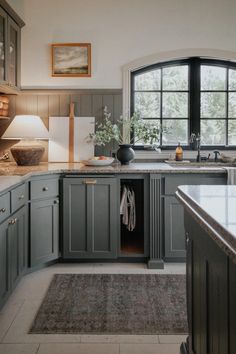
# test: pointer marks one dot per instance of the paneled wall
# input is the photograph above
(47, 103)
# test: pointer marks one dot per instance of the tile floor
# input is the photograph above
(18, 313)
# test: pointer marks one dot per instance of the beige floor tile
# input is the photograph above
(32, 287)
(149, 348)
(119, 338)
(7, 316)
(18, 331)
(78, 349)
(172, 338)
(18, 348)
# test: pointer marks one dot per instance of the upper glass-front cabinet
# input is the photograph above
(3, 41)
(13, 52)
(9, 53)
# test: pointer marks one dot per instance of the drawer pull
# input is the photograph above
(45, 189)
(21, 197)
(56, 201)
(2, 210)
(11, 222)
(90, 181)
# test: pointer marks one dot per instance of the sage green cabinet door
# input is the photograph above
(13, 252)
(44, 231)
(90, 218)
(18, 237)
(174, 229)
(4, 279)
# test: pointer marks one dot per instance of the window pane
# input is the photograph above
(232, 79)
(232, 105)
(147, 104)
(174, 131)
(213, 105)
(155, 122)
(232, 132)
(213, 132)
(175, 78)
(175, 105)
(150, 80)
(213, 78)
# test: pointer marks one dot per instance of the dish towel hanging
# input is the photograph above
(231, 175)
(127, 208)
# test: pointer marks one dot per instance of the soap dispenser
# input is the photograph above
(179, 153)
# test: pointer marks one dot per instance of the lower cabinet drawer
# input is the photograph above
(18, 197)
(44, 188)
(4, 206)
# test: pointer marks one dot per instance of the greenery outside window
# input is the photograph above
(188, 96)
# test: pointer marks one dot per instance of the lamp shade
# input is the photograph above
(26, 127)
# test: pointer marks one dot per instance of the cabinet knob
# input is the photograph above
(15, 220)
(11, 222)
(56, 201)
(2, 210)
(45, 189)
(21, 197)
(90, 181)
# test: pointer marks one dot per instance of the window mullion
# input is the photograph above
(161, 100)
(195, 94)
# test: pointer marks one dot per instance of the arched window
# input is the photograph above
(193, 95)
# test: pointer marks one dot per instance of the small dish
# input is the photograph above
(105, 162)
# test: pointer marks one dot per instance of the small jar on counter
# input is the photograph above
(179, 153)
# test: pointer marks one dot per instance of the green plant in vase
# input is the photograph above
(127, 131)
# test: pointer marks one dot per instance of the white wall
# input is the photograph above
(120, 31)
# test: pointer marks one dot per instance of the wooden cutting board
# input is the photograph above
(59, 130)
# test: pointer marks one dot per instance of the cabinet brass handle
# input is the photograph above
(90, 181)
(2, 210)
(21, 197)
(45, 189)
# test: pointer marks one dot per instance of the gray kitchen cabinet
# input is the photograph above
(44, 231)
(13, 252)
(90, 217)
(167, 237)
(10, 40)
(210, 294)
(172, 212)
(44, 220)
(4, 280)
(173, 228)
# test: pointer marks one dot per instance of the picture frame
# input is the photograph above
(71, 59)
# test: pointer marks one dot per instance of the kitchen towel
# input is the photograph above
(127, 208)
(231, 175)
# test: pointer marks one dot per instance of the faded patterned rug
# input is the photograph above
(113, 304)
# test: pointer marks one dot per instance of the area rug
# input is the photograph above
(113, 304)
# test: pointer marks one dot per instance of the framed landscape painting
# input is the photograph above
(71, 59)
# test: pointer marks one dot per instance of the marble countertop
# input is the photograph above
(214, 209)
(10, 169)
(11, 174)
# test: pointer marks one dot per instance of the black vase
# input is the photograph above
(125, 154)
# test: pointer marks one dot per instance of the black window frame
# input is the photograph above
(194, 104)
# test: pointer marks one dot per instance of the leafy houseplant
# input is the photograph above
(126, 132)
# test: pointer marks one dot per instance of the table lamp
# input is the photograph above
(27, 128)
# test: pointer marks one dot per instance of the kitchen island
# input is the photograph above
(210, 226)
